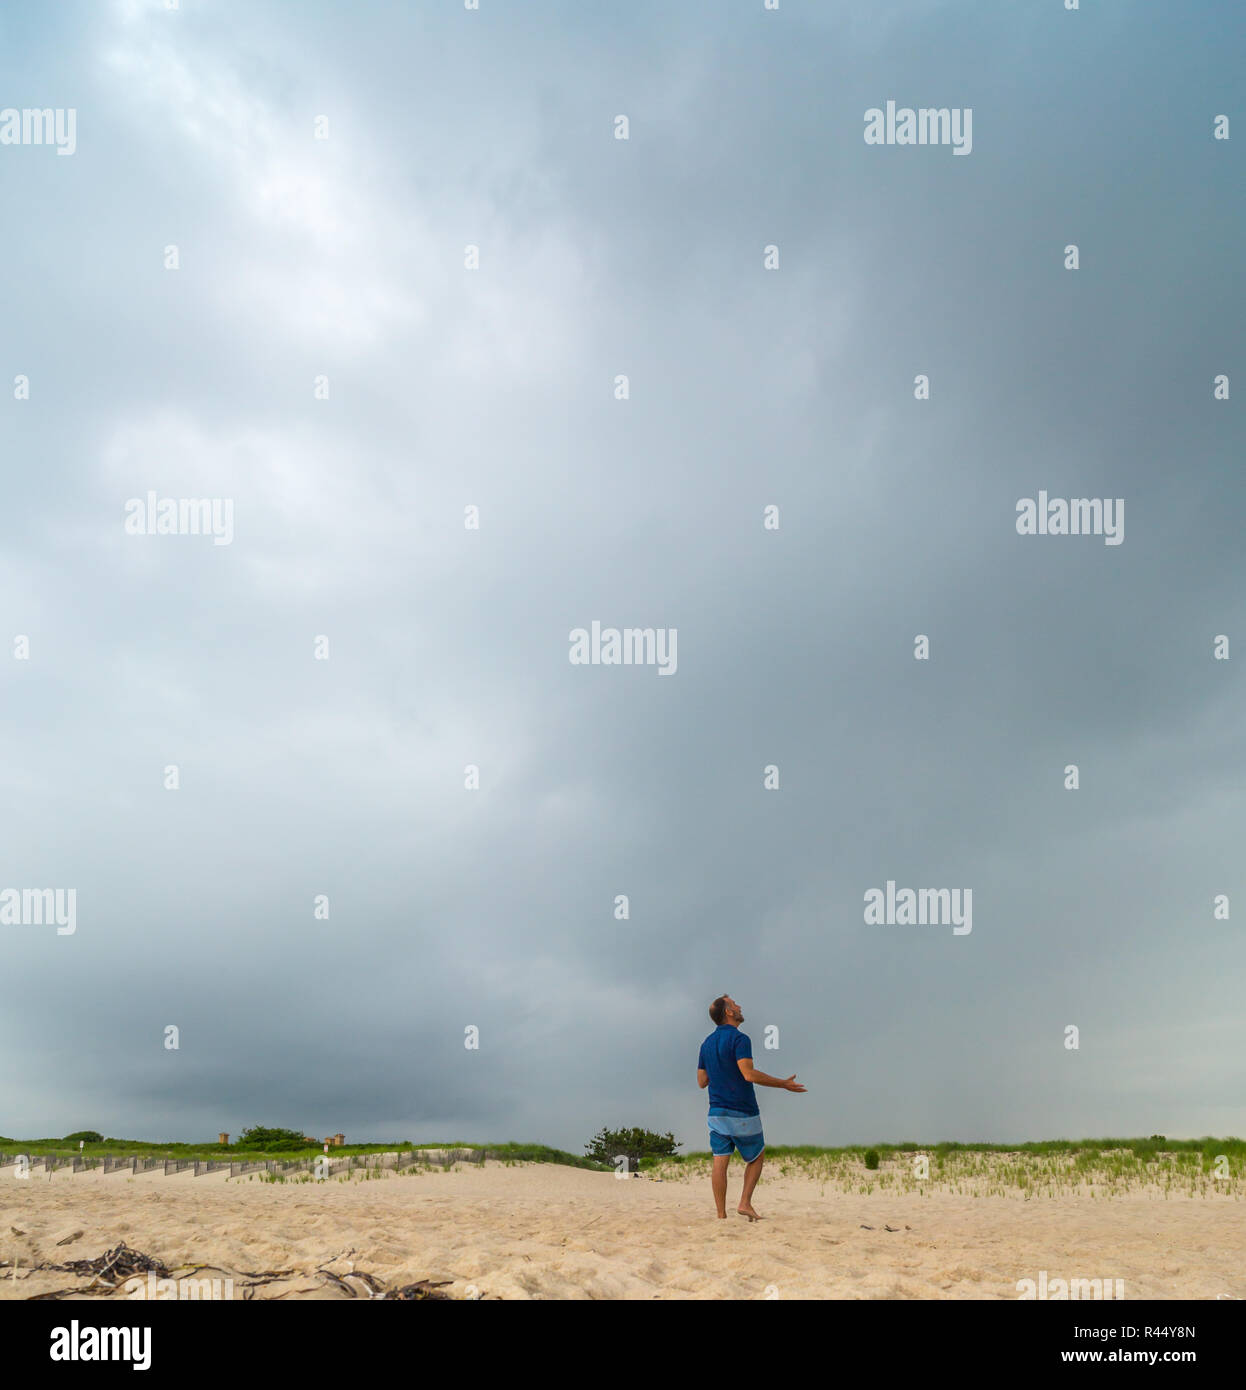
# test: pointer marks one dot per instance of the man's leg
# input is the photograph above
(718, 1180)
(752, 1172)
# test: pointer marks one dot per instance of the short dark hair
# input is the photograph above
(718, 1009)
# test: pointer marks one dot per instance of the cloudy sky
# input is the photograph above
(310, 266)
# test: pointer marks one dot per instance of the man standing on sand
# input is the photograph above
(725, 1065)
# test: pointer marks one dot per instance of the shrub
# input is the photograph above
(609, 1144)
(270, 1140)
(88, 1136)
(871, 1159)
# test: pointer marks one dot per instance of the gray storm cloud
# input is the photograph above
(322, 359)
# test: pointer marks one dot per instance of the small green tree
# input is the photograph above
(871, 1159)
(261, 1140)
(88, 1136)
(608, 1145)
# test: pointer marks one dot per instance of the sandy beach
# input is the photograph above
(546, 1231)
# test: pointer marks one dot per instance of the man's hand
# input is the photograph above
(759, 1078)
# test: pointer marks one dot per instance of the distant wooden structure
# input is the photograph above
(222, 1138)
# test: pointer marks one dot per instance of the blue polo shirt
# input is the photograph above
(720, 1056)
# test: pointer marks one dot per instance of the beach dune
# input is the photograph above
(547, 1231)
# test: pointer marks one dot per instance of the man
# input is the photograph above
(725, 1065)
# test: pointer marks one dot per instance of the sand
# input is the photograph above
(552, 1232)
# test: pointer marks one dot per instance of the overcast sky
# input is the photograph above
(343, 258)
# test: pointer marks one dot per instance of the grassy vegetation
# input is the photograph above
(1085, 1167)
(537, 1153)
(143, 1148)
(1035, 1169)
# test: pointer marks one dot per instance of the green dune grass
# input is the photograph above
(146, 1148)
(1035, 1168)
(1047, 1168)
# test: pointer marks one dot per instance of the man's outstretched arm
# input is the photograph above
(759, 1078)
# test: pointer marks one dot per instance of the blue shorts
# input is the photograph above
(732, 1131)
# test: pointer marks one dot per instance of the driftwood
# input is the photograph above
(114, 1268)
(109, 1271)
(424, 1289)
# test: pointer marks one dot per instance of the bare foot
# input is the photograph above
(747, 1210)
